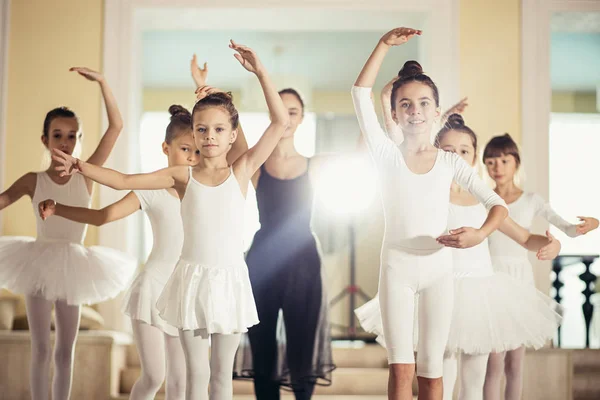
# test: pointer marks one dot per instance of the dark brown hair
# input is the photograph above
(455, 122)
(293, 92)
(219, 99)
(413, 72)
(181, 122)
(59, 112)
(502, 145)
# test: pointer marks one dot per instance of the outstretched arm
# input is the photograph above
(161, 179)
(547, 247)
(114, 212)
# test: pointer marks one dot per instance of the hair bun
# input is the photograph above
(176, 109)
(455, 121)
(410, 69)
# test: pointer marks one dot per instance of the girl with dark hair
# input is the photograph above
(414, 180)
(55, 269)
(208, 296)
(502, 160)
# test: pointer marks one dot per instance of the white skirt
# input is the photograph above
(517, 267)
(60, 270)
(209, 299)
(492, 313)
(140, 299)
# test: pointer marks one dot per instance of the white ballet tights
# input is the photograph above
(218, 372)
(511, 364)
(39, 311)
(472, 376)
(160, 355)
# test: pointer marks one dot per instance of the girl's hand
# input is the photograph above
(205, 90)
(88, 74)
(68, 165)
(399, 36)
(462, 238)
(587, 224)
(551, 250)
(386, 92)
(248, 58)
(199, 74)
(47, 208)
(458, 108)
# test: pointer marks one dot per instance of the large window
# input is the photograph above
(574, 191)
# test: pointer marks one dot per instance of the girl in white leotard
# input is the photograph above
(492, 311)
(208, 295)
(502, 160)
(414, 181)
(55, 269)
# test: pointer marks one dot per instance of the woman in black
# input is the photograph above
(285, 272)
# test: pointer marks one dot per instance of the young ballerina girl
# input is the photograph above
(502, 160)
(209, 294)
(285, 271)
(55, 268)
(157, 342)
(492, 311)
(414, 180)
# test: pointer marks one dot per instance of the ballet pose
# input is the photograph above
(285, 270)
(502, 160)
(209, 293)
(54, 269)
(414, 181)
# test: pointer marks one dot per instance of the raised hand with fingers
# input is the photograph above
(199, 75)
(247, 57)
(47, 208)
(399, 36)
(88, 74)
(67, 164)
(586, 225)
(551, 250)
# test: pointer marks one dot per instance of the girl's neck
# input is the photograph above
(507, 189)
(214, 163)
(285, 148)
(416, 143)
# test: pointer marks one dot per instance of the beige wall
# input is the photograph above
(490, 66)
(574, 102)
(46, 38)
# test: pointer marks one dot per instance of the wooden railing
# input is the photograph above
(587, 277)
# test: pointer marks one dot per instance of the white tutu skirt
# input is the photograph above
(517, 267)
(208, 299)
(59, 270)
(140, 299)
(491, 313)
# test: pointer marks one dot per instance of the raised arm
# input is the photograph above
(393, 131)
(252, 159)
(24, 186)
(114, 212)
(377, 141)
(547, 247)
(199, 75)
(115, 122)
(176, 177)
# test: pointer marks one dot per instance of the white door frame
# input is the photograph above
(536, 87)
(122, 48)
(4, 33)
